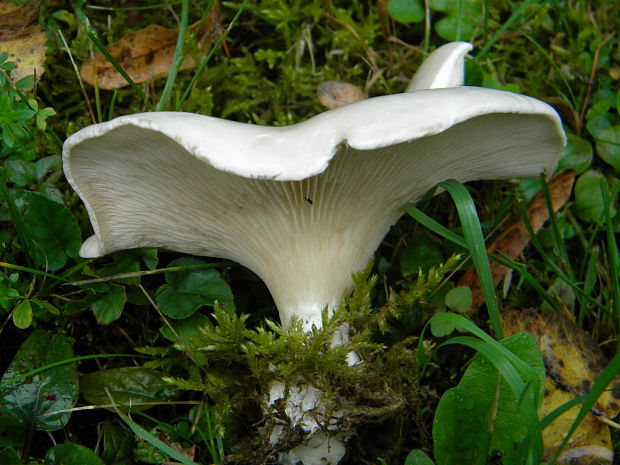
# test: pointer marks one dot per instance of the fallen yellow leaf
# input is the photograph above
(22, 38)
(573, 361)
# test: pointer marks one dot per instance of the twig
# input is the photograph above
(79, 78)
(597, 52)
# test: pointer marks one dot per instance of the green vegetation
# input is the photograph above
(145, 356)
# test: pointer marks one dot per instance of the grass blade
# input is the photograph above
(518, 13)
(612, 247)
(444, 232)
(92, 35)
(179, 56)
(155, 442)
(204, 63)
(475, 243)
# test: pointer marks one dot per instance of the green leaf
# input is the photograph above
(588, 198)
(8, 134)
(422, 255)
(577, 155)
(126, 386)
(71, 454)
(117, 445)
(155, 442)
(418, 457)
(30, 400)
(22, 172)
(442, 328)
(42, 115)
(25, 83)
(45, 164)
(46, 306)
(183, 331)
(124, 262)
(563, 292)
(109, 307)
(7, 293)
(22, 315)
(406, 11)
(52, 230)
(475, 243)
(482, 415)
(457, 25)
(608, 146)
(473, 73)
(148, 257)
(8, 456)
(459, 299)
(187, 291)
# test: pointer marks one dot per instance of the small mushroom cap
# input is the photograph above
(442, 68)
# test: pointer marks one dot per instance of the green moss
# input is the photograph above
(234, 365)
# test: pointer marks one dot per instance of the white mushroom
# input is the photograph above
(303, 206)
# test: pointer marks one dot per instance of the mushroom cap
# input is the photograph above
(442, 68)
(303, 206)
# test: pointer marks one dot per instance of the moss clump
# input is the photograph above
(234, 366)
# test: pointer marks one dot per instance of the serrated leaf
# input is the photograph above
(52, 230)
(187, 291)
(126, 386)
(109, 307)
(22, 315)
(31, 400)
(481, 415)
(71, 454)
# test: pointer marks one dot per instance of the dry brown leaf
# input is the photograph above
(22, 38)
(334, 94)
(143, 54)
(190, 453)
(573, 361)
(514, 238)
(15, 19)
